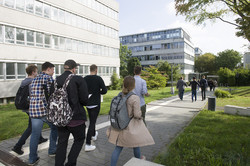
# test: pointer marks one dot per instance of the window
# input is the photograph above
(54, 13)
(10, 70)
(80, 47)
(39, 39)
(21, 71)
(30, 6)
(1, 33)
(55, 42)
(61, 16)
(68, 18)
(73, 19)
(68, 44)
(1, 71)
(1, 2)
(62, 43)
(47, 41)
(86, 70)
(9, 3)
(46, 10)
(9, 34)
(79, 22)
(20, 5)
(20, 36)
(62, 68)
(74, 45)
(38, 8)
(39, 68)
(30, 37)
(57, 68)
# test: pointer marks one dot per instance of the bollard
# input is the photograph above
(211, 103)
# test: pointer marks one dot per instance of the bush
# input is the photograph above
(153, 77)
(222, 94)
(115, 82)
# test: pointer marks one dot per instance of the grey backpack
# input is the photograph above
(118, 113)
(59, 110)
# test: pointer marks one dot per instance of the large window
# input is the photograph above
(39, 39)
(68, 44)
(54, 13)
(68, 18)
(61, 16)
(30, 6)
(38, 8)
(57, 70)
(46, 10)
(74, 45)
(20, 36)
(20, 4)
(10, 70)
(30, 37)
(9, 34)
(1, 33)
(47, 41)
(62, 43)
(21, 70)
(1, 71)
(9, 3)
(55, 42)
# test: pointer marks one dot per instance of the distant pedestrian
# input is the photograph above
(203, 85)
(210, 84)
(31, 70)
(96, 88)
(199, 84)
(77, 96)
(194, 85)
(141, 90)
(41, 88)
(135, 135)
(215, 84)
(181, 87)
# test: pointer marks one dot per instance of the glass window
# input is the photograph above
(10, 70)
(74, 45)
(54, 13)
(68, 18)
(55, 42)
(62, 68)
(9, 34)
(9, 3)
(68, 44)
(62, 43)
(46, 10)
(21, 71)
(73, 19)
(1, 71)
(20, 5)
(79, 22)
(39, 68)
(61, 16)
(30, 37)
(80, 70)
(39, 39)
(20, 36)
(1, 33)
(80, 47)
(86, 70)
(1, 2)
(38, 8)
(30, 6)
(57, 68)
(47, 40)
(84, 23)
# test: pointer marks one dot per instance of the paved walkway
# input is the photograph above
(165, 119)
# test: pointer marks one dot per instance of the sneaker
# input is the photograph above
(37, 160)
(143, 157)
(17, 150)
(52, 154)
(89, 148)
(94, 138)
(43, 140)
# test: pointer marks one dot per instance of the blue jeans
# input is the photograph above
(37, 125)
(117, 151)
(194, 95)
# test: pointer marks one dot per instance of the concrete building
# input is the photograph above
(198, 52)
(172, 45)
(246, 60)
(35, 31)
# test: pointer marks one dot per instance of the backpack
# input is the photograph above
(22, 101)
(118, 113)
(59, 110)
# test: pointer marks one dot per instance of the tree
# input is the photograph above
(132, 62)
(153, 77)
(165, 67)
(205, 63)
(115, 82)
(125, 54)
(226, 76)
(228, 58)
(202, 10)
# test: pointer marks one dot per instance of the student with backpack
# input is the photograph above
(22, 102)
(203, 85)
(135, 134)
(77, 92)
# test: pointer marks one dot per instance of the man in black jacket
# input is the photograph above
(96, 87)
(203, 85)
(78, 96)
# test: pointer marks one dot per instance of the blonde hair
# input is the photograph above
(128, 84)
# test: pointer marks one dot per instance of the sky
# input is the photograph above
(138, 16)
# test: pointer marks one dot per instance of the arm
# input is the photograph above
(136, 108)
(144, 88)
(83, 91)
(102, 87)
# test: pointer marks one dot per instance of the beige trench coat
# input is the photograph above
(136, 134)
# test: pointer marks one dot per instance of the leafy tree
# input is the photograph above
(242, 76)
(226, 76)
(153, 77)
(202, 10)
(125, 54)
(115, 82)
(205, 63)
(165, 67)
(132, 62)
(229, 59)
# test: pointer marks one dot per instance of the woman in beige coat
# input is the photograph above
(135, 135)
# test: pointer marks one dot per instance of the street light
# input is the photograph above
(172, 87)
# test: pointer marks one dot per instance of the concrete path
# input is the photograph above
(165, 119)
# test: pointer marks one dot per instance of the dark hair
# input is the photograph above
(128, 84)
(194, 78)
(181, 77)
(30, 69)
(137, 70)
(70, 64)
(47, 65)
(93, 68)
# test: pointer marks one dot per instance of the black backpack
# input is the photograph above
(118, 113)
(22, 100)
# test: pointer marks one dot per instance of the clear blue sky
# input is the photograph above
(138, 16)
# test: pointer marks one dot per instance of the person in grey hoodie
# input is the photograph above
(31, 70)
(180, 86)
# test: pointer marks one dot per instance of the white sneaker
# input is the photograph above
(94, 138)
(89, 148)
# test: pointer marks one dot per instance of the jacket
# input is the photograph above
(180, 85)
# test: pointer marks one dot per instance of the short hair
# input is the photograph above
(47, 65)
(137, 70)
(128, 84)
(181, 77)
(93, 68)
(194, 78)
(30, 69)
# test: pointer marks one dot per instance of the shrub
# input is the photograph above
(222, 94)
(115, 82)
(153, 77)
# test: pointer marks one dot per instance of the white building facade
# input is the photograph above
(35, 31)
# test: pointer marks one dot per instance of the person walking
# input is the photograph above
(135, 135)
(203, 85)
(32, 71)
(180, 86)
(96, 88)
(77, 91)
(140, 90)
(41, 88)
(194, 85)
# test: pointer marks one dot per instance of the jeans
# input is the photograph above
(93, 114)
(117, 151)
(37, 125)
(181, 92)
(194, 95)
(143, 113)
(78, 133)
(203, 93)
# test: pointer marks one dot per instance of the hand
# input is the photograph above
(147, 94)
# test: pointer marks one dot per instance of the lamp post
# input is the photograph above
(172, 87)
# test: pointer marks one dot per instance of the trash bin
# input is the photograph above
(211, 103)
